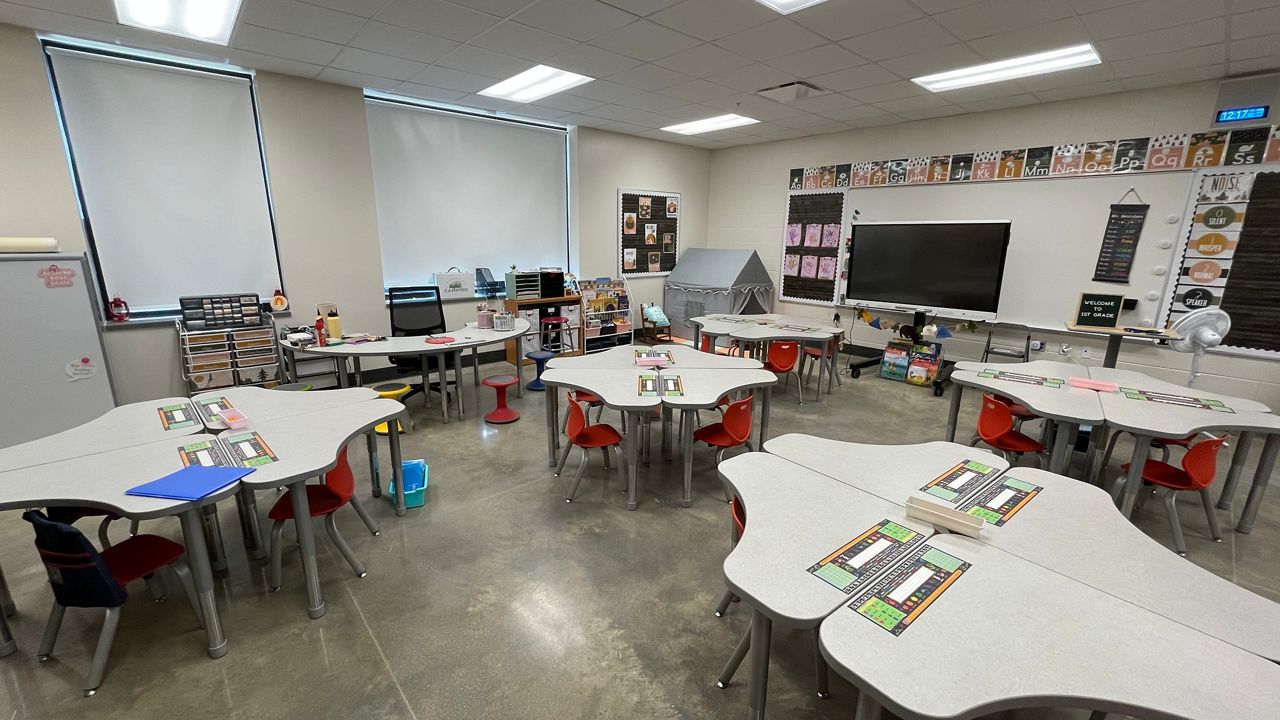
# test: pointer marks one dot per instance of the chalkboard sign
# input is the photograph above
(1120, 243)
(1097, 310)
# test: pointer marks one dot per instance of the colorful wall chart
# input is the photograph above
(648, 232)
(1161, 153)
(811, 244)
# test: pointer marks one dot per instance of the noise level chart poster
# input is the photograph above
(811, 245)
(1230, 255)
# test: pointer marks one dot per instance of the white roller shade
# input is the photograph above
(454, 190)
(172, 178)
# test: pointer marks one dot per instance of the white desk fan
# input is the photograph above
(1200, 330)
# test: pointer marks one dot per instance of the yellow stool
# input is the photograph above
(391, 391)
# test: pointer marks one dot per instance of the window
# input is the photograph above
(469, 191)
(170, 175)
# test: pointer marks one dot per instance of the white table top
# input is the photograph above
(467, 336)
(120, 427)
(100, 480)
(1160, 419)
(764, 327)
(703, 387)
(259, 404)
(1008, 634)
(617, 388)
(891, 472)
(1066, 403)
(624, 357)
(1075, 529)
(795, 518)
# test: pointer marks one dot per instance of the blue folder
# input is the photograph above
(190, 483)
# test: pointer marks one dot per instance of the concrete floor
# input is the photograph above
(498, 599)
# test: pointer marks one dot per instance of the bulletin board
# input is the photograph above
(813, 247)
(648, 232)
(1228, 255)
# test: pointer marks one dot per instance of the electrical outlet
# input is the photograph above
(1037, 345)
(1064, 349)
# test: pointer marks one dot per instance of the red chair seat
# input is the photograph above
(1184, 442)
(588, 398)
(499, 381)
(777, 369)
(321, 499)
(594, 436)
(715, 434)
(555, 320)
(139, 556)
(1014, 441)
(1164, 475)
(1021, 412)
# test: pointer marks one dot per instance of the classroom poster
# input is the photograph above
(1119, 243)
(810, 267)
(649, 230)
(813, 235)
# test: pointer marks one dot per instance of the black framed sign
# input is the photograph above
(1099, 310)
(648, 232)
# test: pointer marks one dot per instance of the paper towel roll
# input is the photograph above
(28, 244)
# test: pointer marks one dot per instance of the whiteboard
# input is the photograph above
(1056, 232)
(53, 369)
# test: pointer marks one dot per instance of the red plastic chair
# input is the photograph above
(995, 428)
(734, 429)
(816, 354)
(586, 437)
(1199, 466)
(708, 344)
(739, 514)
(592, 400)
(784, 359)
(323, 500)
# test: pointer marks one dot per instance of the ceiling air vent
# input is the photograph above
(791, 92)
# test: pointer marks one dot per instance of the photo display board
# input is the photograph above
(648, 232)
(812, 243)
(1229, 255)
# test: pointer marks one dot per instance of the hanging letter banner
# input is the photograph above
(1120, 243)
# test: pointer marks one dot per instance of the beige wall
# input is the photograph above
(748, 189)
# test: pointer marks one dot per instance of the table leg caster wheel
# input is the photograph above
(855, 373)
(722, 685)
(824, 695)
(274, 588)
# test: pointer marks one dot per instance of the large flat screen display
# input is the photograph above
(952, 269)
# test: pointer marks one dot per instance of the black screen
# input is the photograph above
(929, 265)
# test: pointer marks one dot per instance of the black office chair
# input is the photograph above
(417, 311)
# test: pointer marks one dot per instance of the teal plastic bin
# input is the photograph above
(415, 484)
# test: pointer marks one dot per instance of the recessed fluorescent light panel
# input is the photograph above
(204, 20)
(711, 124)
(534, 83)
(786, 7)
(1052, 61)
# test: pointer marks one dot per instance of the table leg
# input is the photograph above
(819, 662)
(1113, 351)
(375, 465)
(1060, 460)
(1261, 476)
(1132, 486)
(340, 364)
(247, 507)
(631, 444)
(7, 644)
(519, 374)
(444, 387)
(766, 400)
(758, 682)
(953, 414)
(1238, 459)
(1097, 436)
(7, 606)
(355, 365)
(666, 432)
(307, 545)
(202, 578)
(686, 453)
(697, 337)
(868, 709)
(475, 365)
(457, 380)
(550, 397)
(213, 537)
(817, 396)
(397, 464)
(290, 364)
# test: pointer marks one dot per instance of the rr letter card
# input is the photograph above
(864, 556)
(962, 479)
(898, 598)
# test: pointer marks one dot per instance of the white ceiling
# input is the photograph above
(659, 62)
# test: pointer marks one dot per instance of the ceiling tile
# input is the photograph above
(302, 19)
(912, 37)
(752, 77)
(693, 111)
(879, 120)
(484, 62)
(1252, 65)
(645, 40)
(634, 116)
(967, 96)
(1149, 15)
(426, 92)
(930, 113)
(391, 40)
(565, 102)
(840, 19)
(91, 9)
(1088, 6)
(649, 77)
(817, 61)
(754, 106)
(829, 101)
(1178, 60)
(641, 7)
(1177, 77)
(857, 112)
(1069, 78)
(653, 102)
(887, 91)
(592, 61)
(283, 45)
(1081, 91)
(267, 63)
(437, 18)
(363, 8)
(523, 41)
(1252, 24)
(713, 19)
(704, 59)
(501, 8)
(854, 78)
(602, 90)
(376, 64)
(451, 79)
(1049, 36)
(1254, 47)
(1180, 37)
(490, 103)
(355, 79)
(579, 19)
(699, 90)
(802, 121)
(1002, 103)
(996, 16)
(952, 57)
(919, 102)
(541, 113)
(770, 40)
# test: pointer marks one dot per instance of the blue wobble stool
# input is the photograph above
(539, 357)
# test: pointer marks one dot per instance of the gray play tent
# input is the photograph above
(707, 281)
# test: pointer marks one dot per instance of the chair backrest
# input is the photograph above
(77, 573)
(415, 310)
(1201, 461)
(737, 419)
(739, 514)
(340, 480)
(784, 355)
(577, 419)
(994, 419)
(706, 343)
